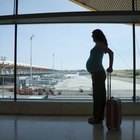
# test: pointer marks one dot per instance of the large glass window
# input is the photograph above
(137, 63)
(7, 62)
(121, 41)
(47, 6)
(52, 60)
(6, 7)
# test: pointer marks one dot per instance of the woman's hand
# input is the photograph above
(109, 70)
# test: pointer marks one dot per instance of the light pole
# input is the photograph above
(3, 58)
(31, 74)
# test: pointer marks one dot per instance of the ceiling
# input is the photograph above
(109, 5)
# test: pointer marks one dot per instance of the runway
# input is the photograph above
(79, 87)
(121, 88)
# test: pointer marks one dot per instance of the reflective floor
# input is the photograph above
(64, 128)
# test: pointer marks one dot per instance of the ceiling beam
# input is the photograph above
(73, 17)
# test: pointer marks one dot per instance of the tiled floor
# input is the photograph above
(64, 128)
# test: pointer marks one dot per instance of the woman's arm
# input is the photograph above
(110, 53)
(111, 57)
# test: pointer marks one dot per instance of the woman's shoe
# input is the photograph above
(93, 120)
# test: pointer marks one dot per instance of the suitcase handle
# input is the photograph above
(108, 85)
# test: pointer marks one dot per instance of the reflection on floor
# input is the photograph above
(64, 128)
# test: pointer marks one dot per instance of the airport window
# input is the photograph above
(46, 6)
(137, 63)
(51, 61)
(64, 50)
(51, 58)
(6, 7)
(7, 62)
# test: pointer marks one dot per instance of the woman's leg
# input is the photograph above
(99, 94)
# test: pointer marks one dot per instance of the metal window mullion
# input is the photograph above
(134, 56)
(134, 65)
(15, 51)
(15, 64)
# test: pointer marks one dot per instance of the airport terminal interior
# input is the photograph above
(53, 103)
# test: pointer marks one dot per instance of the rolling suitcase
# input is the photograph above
(113, 108)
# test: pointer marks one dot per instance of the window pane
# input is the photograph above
(57, 57)
(120, 41)
(6, 62)
(6, 7)
(137, 63)
(52, 60)
(45, 6)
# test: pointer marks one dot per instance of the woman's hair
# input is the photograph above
(98, 35)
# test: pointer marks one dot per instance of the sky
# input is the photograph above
(63, 46)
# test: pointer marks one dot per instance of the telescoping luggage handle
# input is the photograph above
(108, 85)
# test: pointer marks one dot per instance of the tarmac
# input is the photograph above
(80, 87)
